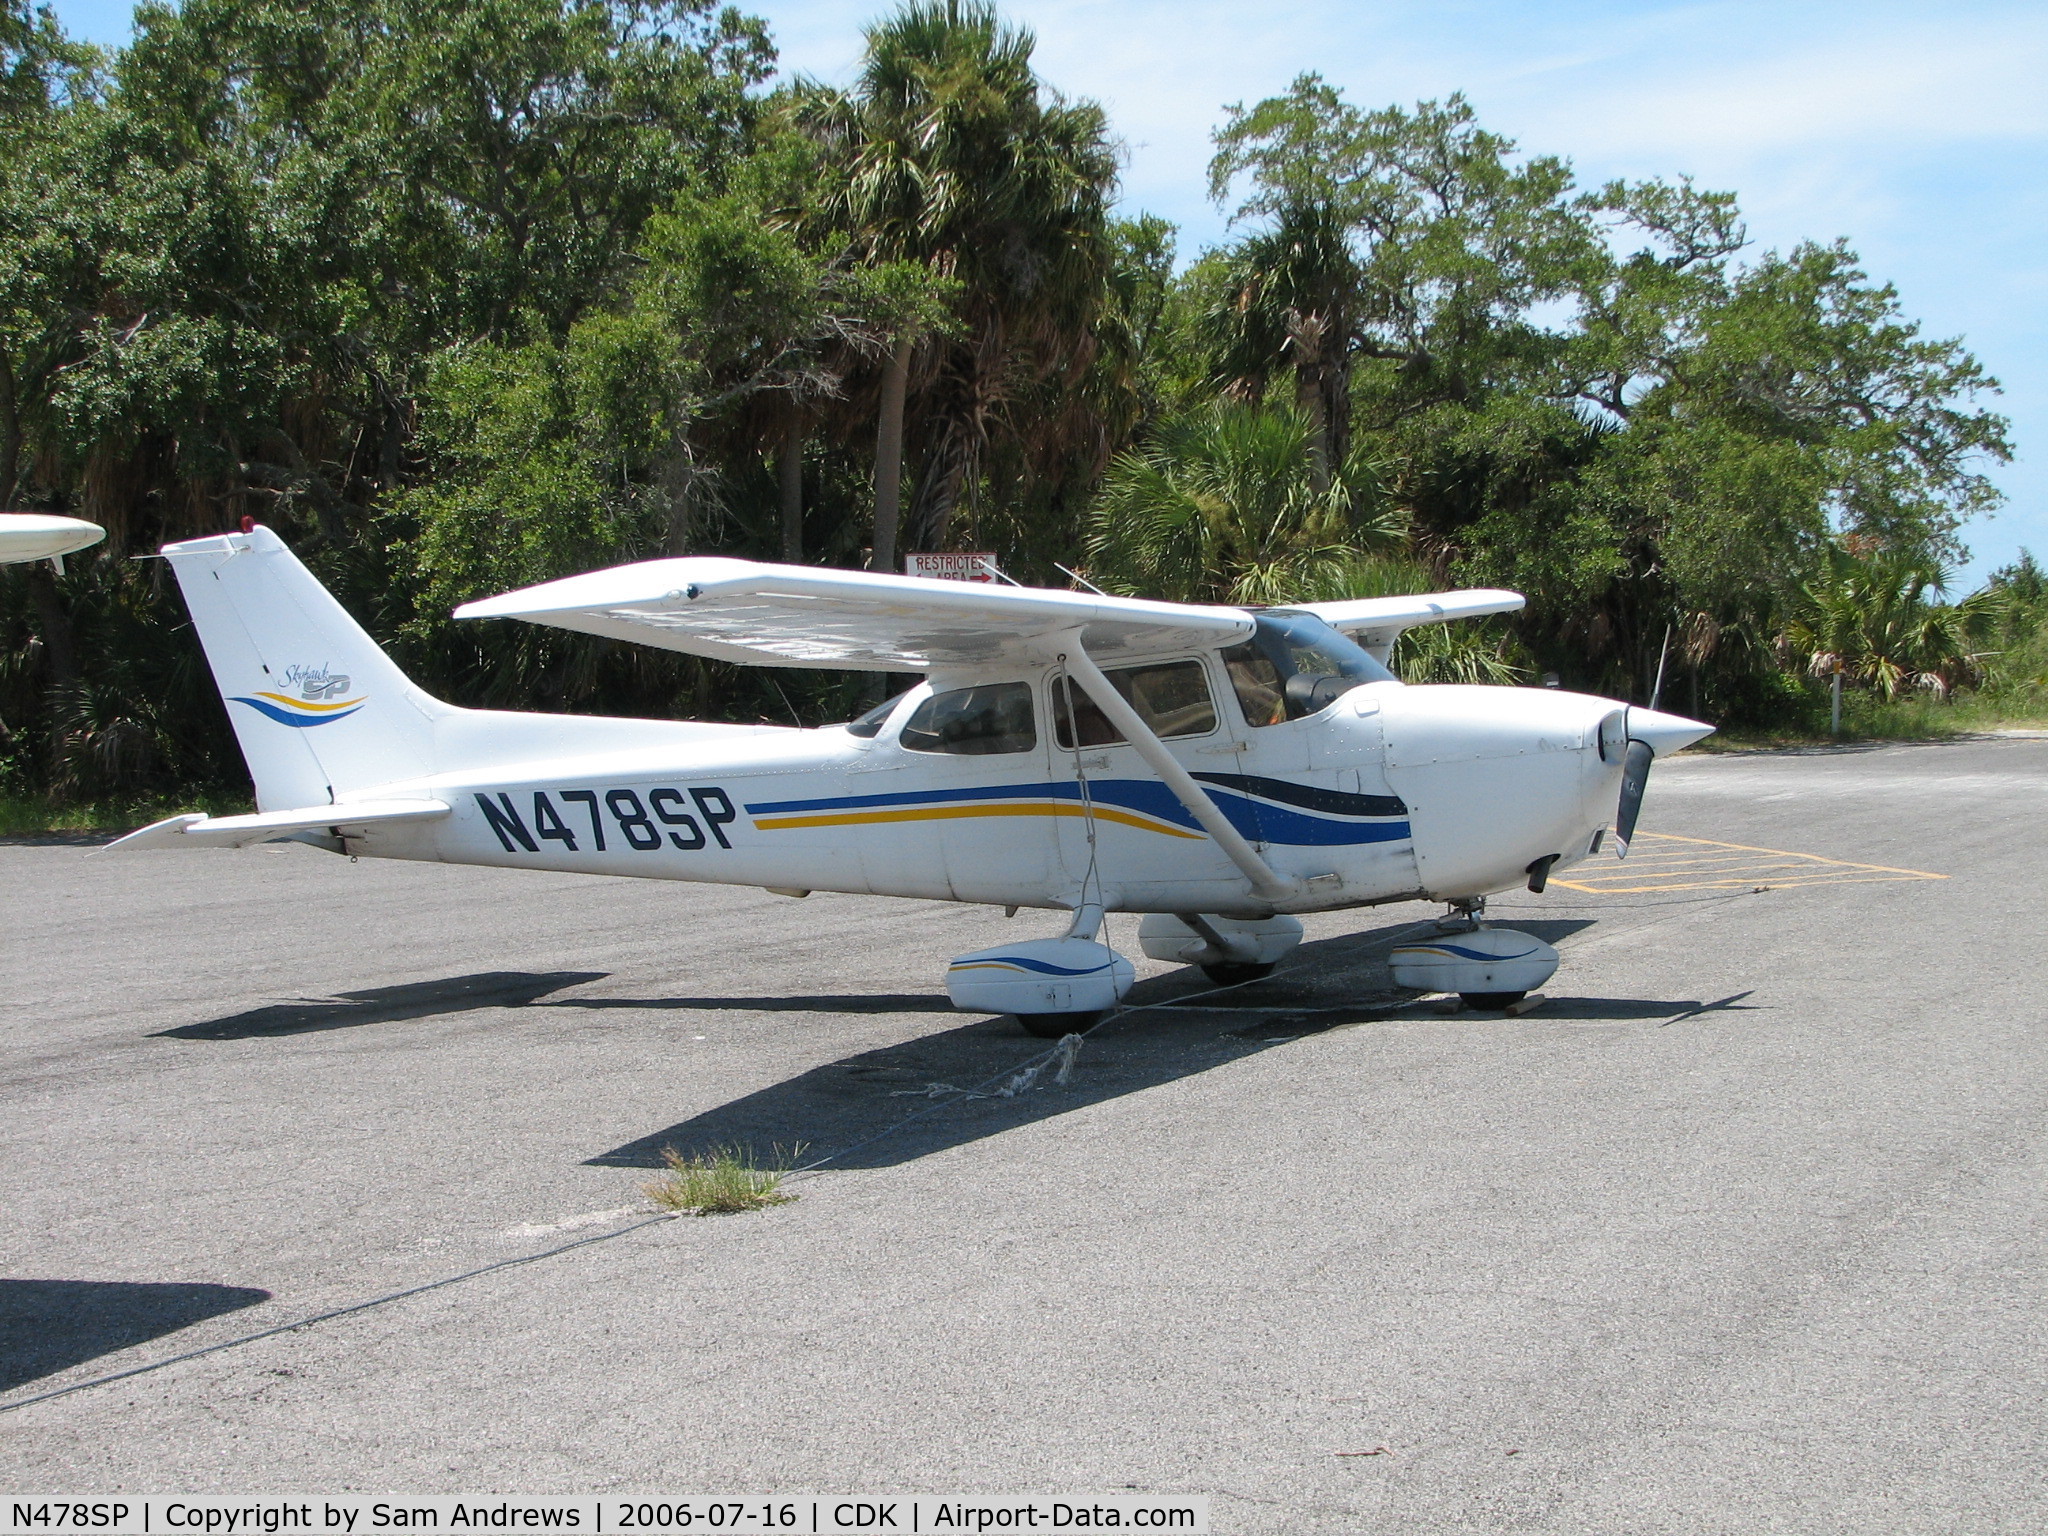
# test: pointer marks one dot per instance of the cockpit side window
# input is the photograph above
(1294, 665)
(1258, 684)
(983, 721)
(1171, 697)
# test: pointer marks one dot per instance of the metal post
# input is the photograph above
(1835, 703)
(1266, 882)
(1657, 688)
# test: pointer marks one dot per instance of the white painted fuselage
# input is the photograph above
(1389, 793)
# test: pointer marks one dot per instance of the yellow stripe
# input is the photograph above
(1706, 865)
(958, 812)
(1673, 837)
(303, 704)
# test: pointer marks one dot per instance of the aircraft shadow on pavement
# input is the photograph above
(866, 1002)
(848, 1107)
(387, 1005)
(47, 1326)
(1624, 1009)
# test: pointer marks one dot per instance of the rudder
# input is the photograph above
(317, 706)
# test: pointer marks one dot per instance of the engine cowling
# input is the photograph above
(1496, 779)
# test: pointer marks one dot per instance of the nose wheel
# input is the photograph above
(1490, 969)
(1485, 1002)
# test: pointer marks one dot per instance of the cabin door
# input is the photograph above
(1126, 833)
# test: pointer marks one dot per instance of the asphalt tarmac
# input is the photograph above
(1744, 1230)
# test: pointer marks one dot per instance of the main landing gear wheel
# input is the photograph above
(1491, 1000)
(1057, 1026)
(1233, 972)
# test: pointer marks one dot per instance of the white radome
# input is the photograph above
(39, 536)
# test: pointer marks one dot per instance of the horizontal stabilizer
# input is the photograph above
(1376, 622)
(196, 831)
(811, 616)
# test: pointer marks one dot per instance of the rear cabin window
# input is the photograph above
(974, 722)
(1170, 697)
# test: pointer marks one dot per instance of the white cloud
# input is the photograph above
(1910, 89)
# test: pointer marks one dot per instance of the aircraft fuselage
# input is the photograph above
(1387, 793)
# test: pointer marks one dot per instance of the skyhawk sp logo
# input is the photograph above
(319, 700)
(316, 683)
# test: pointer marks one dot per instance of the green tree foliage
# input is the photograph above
(637, 433)
(1231, 505)
(230, 267)
(2018, 674)
(1584, 393)
(464, 296)
(955, 155)
(1874, 619)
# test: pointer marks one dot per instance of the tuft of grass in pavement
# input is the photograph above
(719, 1182)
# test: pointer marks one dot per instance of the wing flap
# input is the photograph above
(810, 616)
(197, 831)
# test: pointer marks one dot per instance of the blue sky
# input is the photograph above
(1917, 132)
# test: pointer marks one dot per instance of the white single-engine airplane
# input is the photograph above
(1218, 769)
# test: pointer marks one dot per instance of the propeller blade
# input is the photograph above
(1650, 732)
(1635, 778)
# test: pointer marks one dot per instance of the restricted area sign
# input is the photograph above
(971, 566)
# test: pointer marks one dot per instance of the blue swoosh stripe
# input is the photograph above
(1263, 822)
(1270, 824)
(1475, 954)
(1045, 966)
(914, 797)
(1333, 802)
(285, 717)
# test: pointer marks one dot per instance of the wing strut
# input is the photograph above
(1265, 881)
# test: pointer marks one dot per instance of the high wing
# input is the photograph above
(1376, 622)
(811, 616)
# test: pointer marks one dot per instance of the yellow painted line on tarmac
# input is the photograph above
(1662, 861)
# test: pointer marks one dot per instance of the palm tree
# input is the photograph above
(1874, 618)
(1229, 505)
(954, 155)
(1291, 300)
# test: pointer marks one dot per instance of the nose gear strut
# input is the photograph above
(1467, 914)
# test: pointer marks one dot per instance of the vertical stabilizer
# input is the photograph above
(319, 709)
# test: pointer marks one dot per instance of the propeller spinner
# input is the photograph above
(1651, 734)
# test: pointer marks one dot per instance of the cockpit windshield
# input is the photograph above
(869, 722)
(1294, 665)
